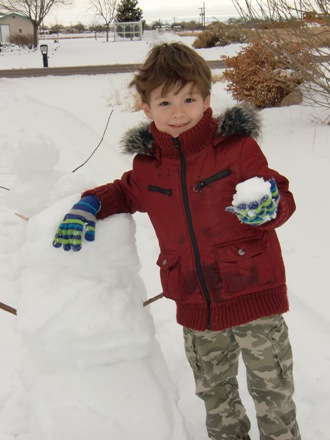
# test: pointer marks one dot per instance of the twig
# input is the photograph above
(3, 187)
(8, 308)
(13, 311)
(84, 163)
(22, 216)
(151, 300)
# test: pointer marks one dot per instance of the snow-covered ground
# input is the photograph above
(90, 51)
(83, 358)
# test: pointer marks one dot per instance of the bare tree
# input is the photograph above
(295, 22)
(35, 10)
(106, 9)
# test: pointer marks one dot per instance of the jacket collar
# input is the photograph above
(145, 139)
(191, 141)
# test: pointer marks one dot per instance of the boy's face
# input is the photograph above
(177, 111)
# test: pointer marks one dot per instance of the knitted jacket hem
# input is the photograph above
(235, 312)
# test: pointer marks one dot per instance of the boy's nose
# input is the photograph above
(177, 111)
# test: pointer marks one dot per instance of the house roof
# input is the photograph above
(8, 14)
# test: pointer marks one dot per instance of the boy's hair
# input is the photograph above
(172, 65)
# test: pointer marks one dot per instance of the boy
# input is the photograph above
(225, 272)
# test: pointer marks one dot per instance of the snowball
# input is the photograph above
(251, 190)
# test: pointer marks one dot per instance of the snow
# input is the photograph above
(249, 199)
(90, 51)
(251, 190)
(83, 357)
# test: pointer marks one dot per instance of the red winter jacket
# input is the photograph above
(220, 272)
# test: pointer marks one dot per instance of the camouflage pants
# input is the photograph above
(266, 353)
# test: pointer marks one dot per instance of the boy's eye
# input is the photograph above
(164, 103)
(188, 100)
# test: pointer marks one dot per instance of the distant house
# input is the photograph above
(12, 23)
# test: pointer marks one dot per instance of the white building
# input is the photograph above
(12, 23)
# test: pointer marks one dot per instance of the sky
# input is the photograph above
(168, 11)
(83, 359)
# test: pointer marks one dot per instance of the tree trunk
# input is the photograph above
(35, 35)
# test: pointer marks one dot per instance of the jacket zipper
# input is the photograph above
(166, 191)
(192, 234)
(200, 185)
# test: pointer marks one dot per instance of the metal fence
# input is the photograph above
(127, 30)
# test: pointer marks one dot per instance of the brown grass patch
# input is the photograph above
(311, 36)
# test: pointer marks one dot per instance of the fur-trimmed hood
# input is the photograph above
(242, 119)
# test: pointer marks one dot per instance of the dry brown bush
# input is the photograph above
(188, 33)
(311, 31)
(22, 40)
(205, 40)
(218, 77)
(257, 76)
(220, 34)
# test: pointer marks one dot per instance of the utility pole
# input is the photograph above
(202, 16)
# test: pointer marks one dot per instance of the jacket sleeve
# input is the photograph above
(120, 196)
(254, 163)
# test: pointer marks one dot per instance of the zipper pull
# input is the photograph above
(176, 143)
(198, 187)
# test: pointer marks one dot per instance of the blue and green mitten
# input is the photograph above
(256, 213)
(82, 217)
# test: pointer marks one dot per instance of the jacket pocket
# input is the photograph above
(169, 264)
(209, 180)
(243, 267)
(158, 189)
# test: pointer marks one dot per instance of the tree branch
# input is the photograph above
(84, 163)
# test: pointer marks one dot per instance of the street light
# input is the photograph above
(44, 51)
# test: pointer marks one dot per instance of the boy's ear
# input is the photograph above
(207, 102)
(146, 109)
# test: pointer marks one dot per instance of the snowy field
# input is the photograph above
(83, 359)
(88, 51)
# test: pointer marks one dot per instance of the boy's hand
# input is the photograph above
(82, 216)
(258, 212)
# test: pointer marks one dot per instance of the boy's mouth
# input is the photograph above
(179, 125)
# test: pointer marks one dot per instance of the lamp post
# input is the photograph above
(44, 51)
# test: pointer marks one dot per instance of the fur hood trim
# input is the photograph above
(138, 140)
(242, 120)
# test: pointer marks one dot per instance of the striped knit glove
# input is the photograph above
(81, 217)
(256, 213)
